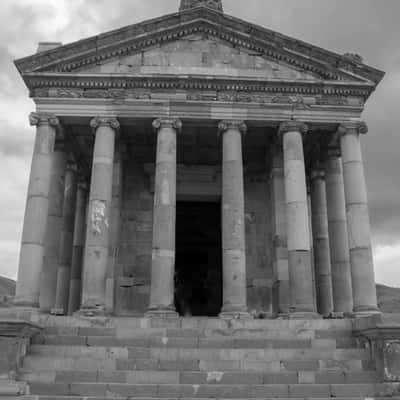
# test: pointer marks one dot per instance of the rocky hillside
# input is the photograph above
(7, 291)
(7, 287)
(388, 299)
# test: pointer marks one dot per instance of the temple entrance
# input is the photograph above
(198, 267)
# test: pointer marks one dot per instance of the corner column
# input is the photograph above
(233, 221)
(362, 266)
(300, 270)
(77, 249)
(322, 255)
(163, 253)
(48, 280)
(64, 262)
(98, 229)
(37, 207)
(338, 234)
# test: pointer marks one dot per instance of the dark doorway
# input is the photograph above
(198, 268)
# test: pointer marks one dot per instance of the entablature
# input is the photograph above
(77, 57)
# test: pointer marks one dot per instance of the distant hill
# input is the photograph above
(7, 291)
(7, 287)
(388, 299)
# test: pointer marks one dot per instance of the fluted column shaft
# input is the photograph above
(115, 227)
(98, 229)
(48, 280)
(77, 249)
(362, 266)
(164, 218)
(37, 206)
(66, 241)
(280, 264)
(300, 272)
(338, 235)
(233, 221)
(322, 257)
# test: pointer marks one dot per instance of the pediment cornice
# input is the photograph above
(77, 56)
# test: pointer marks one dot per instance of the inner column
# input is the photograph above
(163, 249)
(233, 223)
(298, 231)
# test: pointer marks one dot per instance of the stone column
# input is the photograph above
(338, 235)
(280, 256)
(48, 280)
(310, 228)
(322, 255)
(300, 270)
(362, 266)
(98, 229)
(37, 207)
(163, 254)
(115, 227)
(67, 232)
(77, 249)
(233, 221)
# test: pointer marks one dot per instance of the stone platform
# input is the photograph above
(184, 358)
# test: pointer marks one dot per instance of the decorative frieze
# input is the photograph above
(267, 94)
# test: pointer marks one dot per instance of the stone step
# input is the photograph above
(63, 363)
(210, 354)
(235, 391)
(193, 342)
(197, 377)
(266, 331)
(198, 324)
(54, 397)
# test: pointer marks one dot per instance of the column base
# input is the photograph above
(57, 311)
(304, 315)
(235, 312)
(235, 315)
(364, 314)
(99, 311)
(161, 312)
(334, 315)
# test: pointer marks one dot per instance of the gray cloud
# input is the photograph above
(367, 27)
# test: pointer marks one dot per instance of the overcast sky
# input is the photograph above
(367, 27)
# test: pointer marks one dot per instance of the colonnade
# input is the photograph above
(57, 222)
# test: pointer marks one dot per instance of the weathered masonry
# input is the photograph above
(197, 164)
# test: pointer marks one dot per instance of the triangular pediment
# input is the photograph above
(200, 42)
(201, 55)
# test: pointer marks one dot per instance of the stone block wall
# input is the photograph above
(133, 287)
(258, 243)
(134, 263)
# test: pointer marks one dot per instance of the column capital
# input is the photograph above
(333, 152)
(72, 166)
(292, 126)
(359, 127)
(174, 123)
(111, 122)
(225, 125)
(82, 184)
(317, 173)
(37, 119)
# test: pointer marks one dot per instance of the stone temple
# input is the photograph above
(197, 222)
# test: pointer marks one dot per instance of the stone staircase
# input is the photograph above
(200, 358)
